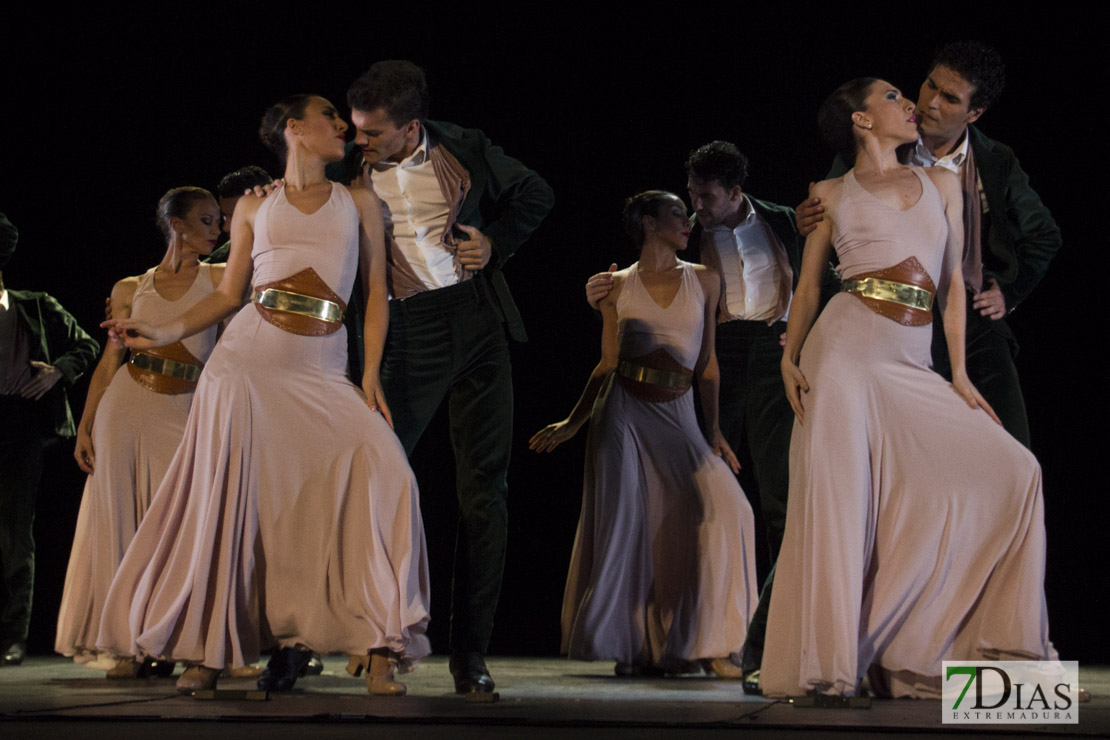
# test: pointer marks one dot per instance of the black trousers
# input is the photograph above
(450, 343)
(21, 456)
(754, 411)
(991, 349)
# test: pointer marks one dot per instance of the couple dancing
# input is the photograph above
(902, 549)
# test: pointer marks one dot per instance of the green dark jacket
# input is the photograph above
(56, 339)
(1022, 238)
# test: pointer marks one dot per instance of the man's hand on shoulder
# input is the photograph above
(809, 213)
(264, 191)
(474, 252)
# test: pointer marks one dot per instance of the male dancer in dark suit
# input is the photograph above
(456, 208)
(754, 246)
(40, 344)
(1010, 237)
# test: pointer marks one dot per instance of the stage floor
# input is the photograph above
(539, 697)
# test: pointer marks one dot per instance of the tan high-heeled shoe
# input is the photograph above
(197, 678)
(243, 671)
(379, 679)
(125, 668)
(379, 666)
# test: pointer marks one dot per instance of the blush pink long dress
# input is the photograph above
(289, 514)
(135, 435)
(914, 530)
(663, 566)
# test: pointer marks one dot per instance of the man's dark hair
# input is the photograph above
(233, 184)
(397, 85)
(720, 161)
(979, 64)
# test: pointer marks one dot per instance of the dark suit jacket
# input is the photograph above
(506, 202)
(54, 338)
(1021, 238)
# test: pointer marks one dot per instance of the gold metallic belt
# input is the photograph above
(888, 290)
(654, 376)
(296, 303)
(164, 366)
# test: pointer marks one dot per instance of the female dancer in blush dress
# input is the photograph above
(139, 412)
(914, 530)
(662, 572)
(289, 514)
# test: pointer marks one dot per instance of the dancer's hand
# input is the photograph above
(135, 334)
(264, 191)
(475, 251)
(796, 385)
(83, 453)
(375, 398)
(971, 395)
(43, 379)
(551, 436)
(599, 286)
(722, 450)
(990, 302)
(808, 214)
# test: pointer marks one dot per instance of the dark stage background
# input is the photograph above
(102, 114)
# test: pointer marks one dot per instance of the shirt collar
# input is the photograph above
(950, 161)
(748, 220)
(419, 156)
(4, 299)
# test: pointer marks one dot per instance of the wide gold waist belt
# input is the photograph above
(296, 303)
(888, 290)
(165, 366)
(654, 376)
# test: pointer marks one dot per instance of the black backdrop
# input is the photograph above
(103, 113)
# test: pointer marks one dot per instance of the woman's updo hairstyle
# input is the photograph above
(640, 205)
(272, 130)
(177, 203)
(834, 120)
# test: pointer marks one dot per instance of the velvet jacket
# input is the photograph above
(54, 337)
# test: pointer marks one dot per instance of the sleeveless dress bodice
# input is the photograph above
(868, 235)
(644, 326)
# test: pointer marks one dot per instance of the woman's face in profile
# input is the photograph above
(889, 113)
(201, 226)
(672, 224)
(322, 130)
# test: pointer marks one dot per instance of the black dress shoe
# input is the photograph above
(14, 654)
(750, 683)
(283, 669)
(314, 666)
(470, 673)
